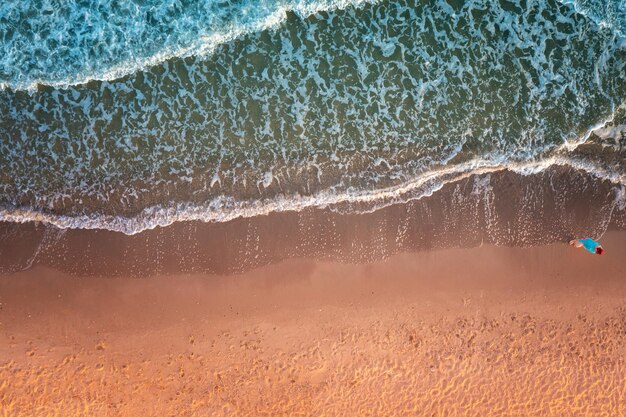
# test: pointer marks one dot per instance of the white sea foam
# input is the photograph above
(611, 132)
(607, 13)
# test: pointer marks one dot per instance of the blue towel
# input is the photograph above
(590, 244)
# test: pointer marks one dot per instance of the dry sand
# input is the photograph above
(488, 331)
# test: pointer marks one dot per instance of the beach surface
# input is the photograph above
(536, 331)
(312, 208)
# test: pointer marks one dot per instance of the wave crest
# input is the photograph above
(60, 44)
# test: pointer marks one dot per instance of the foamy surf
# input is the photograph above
(19, 72)
(224, 209)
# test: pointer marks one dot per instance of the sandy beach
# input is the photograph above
(312, 208)
(457, 332)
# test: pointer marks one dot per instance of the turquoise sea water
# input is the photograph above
(128, 115)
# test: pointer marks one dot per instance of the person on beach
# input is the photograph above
(589, 244)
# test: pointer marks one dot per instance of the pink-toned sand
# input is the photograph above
(464, 332)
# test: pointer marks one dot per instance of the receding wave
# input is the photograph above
(224, 209)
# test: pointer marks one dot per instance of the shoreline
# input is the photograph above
(440, 330)
(503, 209)
(224, 209)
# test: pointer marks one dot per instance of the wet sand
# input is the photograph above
(503, 209)
(537, 331)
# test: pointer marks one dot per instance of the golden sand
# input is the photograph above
(446, 333)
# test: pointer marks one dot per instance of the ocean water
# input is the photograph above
(129, 115)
